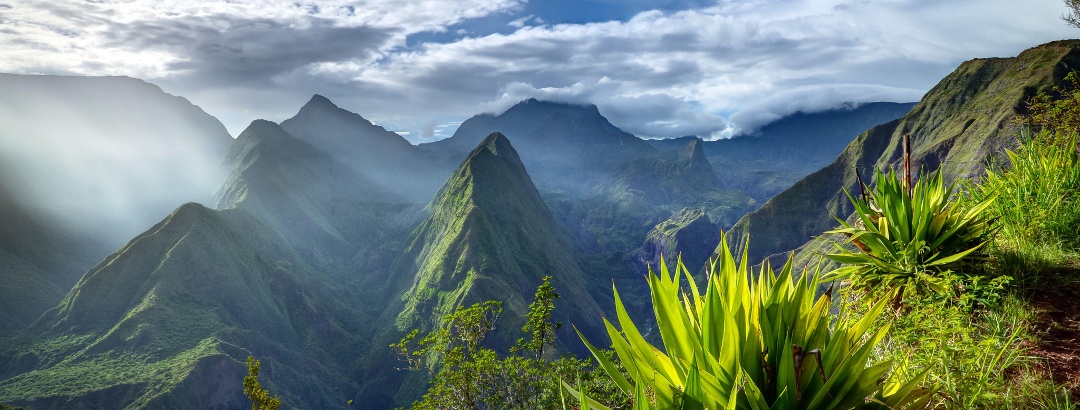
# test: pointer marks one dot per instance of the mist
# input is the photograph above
(106, 157)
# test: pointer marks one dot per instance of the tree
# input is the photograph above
(471, 376)
(1073, 16)
(540, 326)
(260, 398)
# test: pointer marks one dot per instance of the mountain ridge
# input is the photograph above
(962, 121)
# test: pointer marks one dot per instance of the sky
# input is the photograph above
(655, 68)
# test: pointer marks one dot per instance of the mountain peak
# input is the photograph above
(498, 145)
(693, 152)
(546, 105)
(318, 100)
(472, 246)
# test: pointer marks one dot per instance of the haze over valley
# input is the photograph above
(187, 184)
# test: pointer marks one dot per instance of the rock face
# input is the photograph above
(963, 121)
(687, 234)
(489, 236)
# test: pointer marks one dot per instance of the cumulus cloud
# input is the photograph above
(710, 70)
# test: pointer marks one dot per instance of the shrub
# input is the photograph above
(1038, 205)
(751, 344)
(909, 239)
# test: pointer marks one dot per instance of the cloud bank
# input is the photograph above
(671, 69)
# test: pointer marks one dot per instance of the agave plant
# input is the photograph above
(768, 343)
(909, 237)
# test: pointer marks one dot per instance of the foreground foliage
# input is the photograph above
(471, 376)
(976, 340)
(753, 344)
(260, 398)
(979, 357)
(909, 237)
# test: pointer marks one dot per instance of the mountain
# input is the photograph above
(86, 163)
(39, 262)
(674, 176)
(106, 156)
(563, 145)
(490, 236)
(779, 154)
(168, 320)
(618, 214)
(967, 118)
(382, 156)
(688, 234)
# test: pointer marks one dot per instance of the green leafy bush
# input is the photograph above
(909, 238)
(471, 376)
(751, 344)
(1038, 206)
(260, 397)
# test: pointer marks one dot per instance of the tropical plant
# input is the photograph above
(768, 343)
(471, 376)
(909, 238)
(260, 397)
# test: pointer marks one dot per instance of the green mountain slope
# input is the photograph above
(490, 237)
(86, 163)
(168, 320)
(38, 263)
(960, 123)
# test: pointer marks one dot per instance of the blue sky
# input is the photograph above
(655, 68)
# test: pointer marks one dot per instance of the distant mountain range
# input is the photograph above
(329, 237)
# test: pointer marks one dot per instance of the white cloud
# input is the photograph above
(658, 74)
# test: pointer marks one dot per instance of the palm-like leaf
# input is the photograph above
(909, 237)
(765, 343)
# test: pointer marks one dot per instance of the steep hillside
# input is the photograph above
(960, 123)
(105, 156)
(39, 262)
(490, 237)
(379, 155)
(86, 163)
(168, 320)
(688, 234)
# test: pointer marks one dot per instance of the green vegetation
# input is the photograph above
(473, 376)
(909, 237)
(976, 340)
(488, 233)
(260, 398)
(1039, 193)
(958, 126)
(753, 344)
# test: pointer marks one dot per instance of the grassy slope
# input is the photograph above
(964, 120)
(490, 237)
(168, 320)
